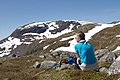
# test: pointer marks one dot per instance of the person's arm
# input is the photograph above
(77, 56)
(76, 50)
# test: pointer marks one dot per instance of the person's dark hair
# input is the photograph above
(81, 35)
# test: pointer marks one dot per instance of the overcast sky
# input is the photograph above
(14, 13)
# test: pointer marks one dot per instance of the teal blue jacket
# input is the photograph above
(85, 51)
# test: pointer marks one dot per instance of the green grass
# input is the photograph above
(104, 64)
(69, 74)
(21, 69)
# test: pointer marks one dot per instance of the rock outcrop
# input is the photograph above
(105, 55)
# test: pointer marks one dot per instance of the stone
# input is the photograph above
(114, 68)
(103, 69)
(64, 55)
(0, 63)
(118, 59)
(7, 79)
(47, 64)
(117, 52)
(42, 56)
(56, 55)
(101, 51)
(37, 64)
(49, 56)
(105, 55)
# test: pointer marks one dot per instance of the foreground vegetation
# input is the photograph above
(21, 69)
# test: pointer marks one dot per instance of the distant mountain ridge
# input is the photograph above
(44, 37)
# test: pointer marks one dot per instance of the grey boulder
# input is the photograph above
(105, 55)
(115, 67)
(48, 64)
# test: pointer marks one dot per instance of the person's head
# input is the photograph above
(80, 36)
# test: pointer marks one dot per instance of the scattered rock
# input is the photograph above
(118, 79)
(115, 67)
(42, 56)
(103, 69)
(64, 55)
(118, 59)
(100, 53)
(0, 63)
(47, 64)
(117, 52)
(36, 65)
(13, 56)
(7, 79)
(105, 55)
(49, 56)
(57, 54)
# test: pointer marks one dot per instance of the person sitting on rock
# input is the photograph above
(85, 53)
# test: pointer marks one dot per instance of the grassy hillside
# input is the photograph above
(107, 38)
(21, 69)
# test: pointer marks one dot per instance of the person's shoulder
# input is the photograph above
(88, 42)
(78, 44)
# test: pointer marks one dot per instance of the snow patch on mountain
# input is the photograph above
(52, 26)
(7, 45)
(98, 29)
(63, 39)
(49, 35)
(11, 41)
(88, 36)
(70, 48)
(45, 47)
(34, 34)
(27, 43)
(39, 24)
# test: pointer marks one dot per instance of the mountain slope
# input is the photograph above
(37, 31)
(107, 38)
(45, 37)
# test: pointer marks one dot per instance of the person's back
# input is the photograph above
(85, 52)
